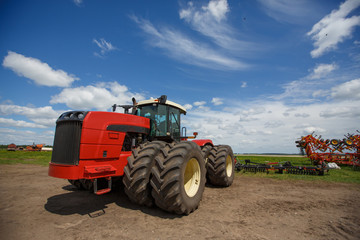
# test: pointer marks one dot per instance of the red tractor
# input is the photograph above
(147, 148)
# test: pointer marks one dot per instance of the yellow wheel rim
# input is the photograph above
(229, 167)
(192, 177)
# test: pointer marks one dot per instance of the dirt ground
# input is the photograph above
(35, 206)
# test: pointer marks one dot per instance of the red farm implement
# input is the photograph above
(318, 150)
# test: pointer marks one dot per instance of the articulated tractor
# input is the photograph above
(146, 148)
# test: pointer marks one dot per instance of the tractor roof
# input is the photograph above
(170, 103)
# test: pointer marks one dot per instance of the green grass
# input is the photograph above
(346, 174)
(25, 157)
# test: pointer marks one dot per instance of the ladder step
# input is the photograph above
(103, 191)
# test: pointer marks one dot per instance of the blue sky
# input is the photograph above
(256, 75)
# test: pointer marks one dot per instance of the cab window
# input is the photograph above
(174, 122)
(158, 118)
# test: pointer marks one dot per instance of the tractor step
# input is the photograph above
(104, 190)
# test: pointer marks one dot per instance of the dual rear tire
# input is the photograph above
(173, 176)
(221, 166)
(137, 172)
(178, 178)
(170, 175)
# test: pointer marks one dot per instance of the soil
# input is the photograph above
(36, 206)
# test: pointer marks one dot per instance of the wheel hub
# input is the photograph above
(229, 166)
(192, 177)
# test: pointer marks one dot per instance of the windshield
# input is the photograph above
(157, 115)
(164, 119)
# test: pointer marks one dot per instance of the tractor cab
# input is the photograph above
(164, 118)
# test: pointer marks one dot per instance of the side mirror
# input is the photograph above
(195, 134)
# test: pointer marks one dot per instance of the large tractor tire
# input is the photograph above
(221, 166)
(206, 152)
(137, 173)
(178, 178)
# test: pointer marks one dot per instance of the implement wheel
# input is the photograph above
(178, 178)
(137, 173)
(221, 166)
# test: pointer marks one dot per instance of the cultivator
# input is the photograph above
(286, 167)
(318, 150)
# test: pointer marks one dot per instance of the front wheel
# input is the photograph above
(137, 172)
(76, 183)
(178, 178)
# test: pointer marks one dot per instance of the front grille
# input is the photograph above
(67, 142)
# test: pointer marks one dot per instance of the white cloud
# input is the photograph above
(347, 91)
(105, 47)
(322, 70)
(6, 130)
(188, 107)
(8, 122)
(316, 84)
(101, 96)
(41, 73)
(274, 124)
(343, 110)
(243, 84)
(217, 8)
(267, 129)
(21, 136)
(199, 103)
(320, 93)
(78, 2)
(182, 48)
(31, 112)
(334, 28)
(217, 101)
(210, 20)
(287, 11)
(303, 115)
(310, 130)
(44, 116)
(39, 119)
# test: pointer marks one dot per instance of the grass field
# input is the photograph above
(25, 157)
(346, 174)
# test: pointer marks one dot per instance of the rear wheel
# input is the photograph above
(138, 171)
(82, 184)
(220, 166)
(206, 152)
(87, 184)
(178, 178)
